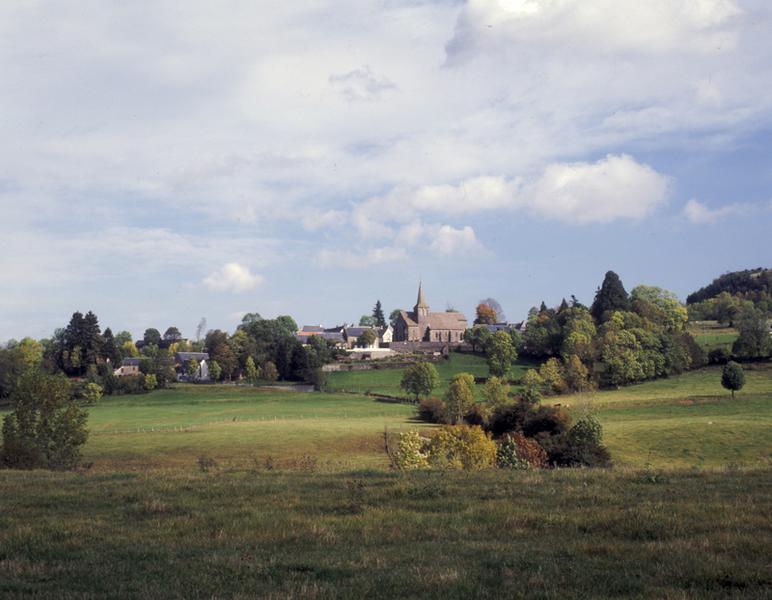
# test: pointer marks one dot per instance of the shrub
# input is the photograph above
(432, 410)
(46, 428)
(150, 383)
(411, 452)
(552, 374)
(461, 447)
(478, 414)
(718, 356)
(508, 418)
(581, 446)
(518, 452)
(530, 396)
(546, 421)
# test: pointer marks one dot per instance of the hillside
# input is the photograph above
(751, 284)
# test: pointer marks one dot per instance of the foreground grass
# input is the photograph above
(555, 534)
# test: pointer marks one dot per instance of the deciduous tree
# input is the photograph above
(733, 377)
(420, 379)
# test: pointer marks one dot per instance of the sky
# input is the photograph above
(162, 161)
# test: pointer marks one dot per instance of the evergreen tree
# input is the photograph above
(110, 349)
(378, 316)
(610, 296)
(732, 377)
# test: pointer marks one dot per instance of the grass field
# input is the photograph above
(251, 534)
(711, 335)
(386, 381)
(296, 501)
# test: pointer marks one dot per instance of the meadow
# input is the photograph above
(712, 335)
(231, 491)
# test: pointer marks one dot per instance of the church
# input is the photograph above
(421, 325)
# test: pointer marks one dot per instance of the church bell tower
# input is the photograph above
(421, 308)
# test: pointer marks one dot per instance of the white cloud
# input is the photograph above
(233, 277)
(616, 187)
(449, 241)
(698, 213)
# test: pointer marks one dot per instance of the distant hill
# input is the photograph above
(752, 284)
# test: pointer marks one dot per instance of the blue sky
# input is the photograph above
(162, 162)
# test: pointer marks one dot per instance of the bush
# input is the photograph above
(150, 383)
(508, 418)
(461, 447)
(411, 452)
(91, 393)
(432, 410)
(46, 428)
(518, 452)
(546, 421)
(581, 446)
(478, 414)
(718, 356)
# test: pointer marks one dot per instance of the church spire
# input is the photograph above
(421, 309)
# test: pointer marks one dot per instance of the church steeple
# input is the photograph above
(421, 308)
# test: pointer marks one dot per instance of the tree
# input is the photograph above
(110, 349)
(754, 341)
(269, 372)
(659, 306)
(366, 321)
(216, 344)
(552, 375)
(420, 379)
(151, 337)
(378, 316)
(486, 315)
(478, 337)
(215, 370)
(250, 370)
(577, 376)
(501, 353)
(496, 306)
(192, 369)
(611, 296)
(496, 392)
(733, 377)
(393, 316)
(172, 334)
(251, 317)
(367, 338)
(46, 427)
(459, 398)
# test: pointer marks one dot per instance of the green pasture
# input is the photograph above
(711, 335)
(386, 381)
(372, 534)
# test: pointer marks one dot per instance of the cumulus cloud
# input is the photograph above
(449, 241)
(616, 187)
(232, 277)
(698, 213)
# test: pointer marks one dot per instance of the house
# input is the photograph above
(506, 327)
(334, 335)
(129, 366)
(386, 336)
(352, 334)
(422, 325)
(181, 360)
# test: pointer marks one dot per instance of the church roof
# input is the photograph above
(446, 320)
(408, 317)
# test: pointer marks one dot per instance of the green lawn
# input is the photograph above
(252, 534)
